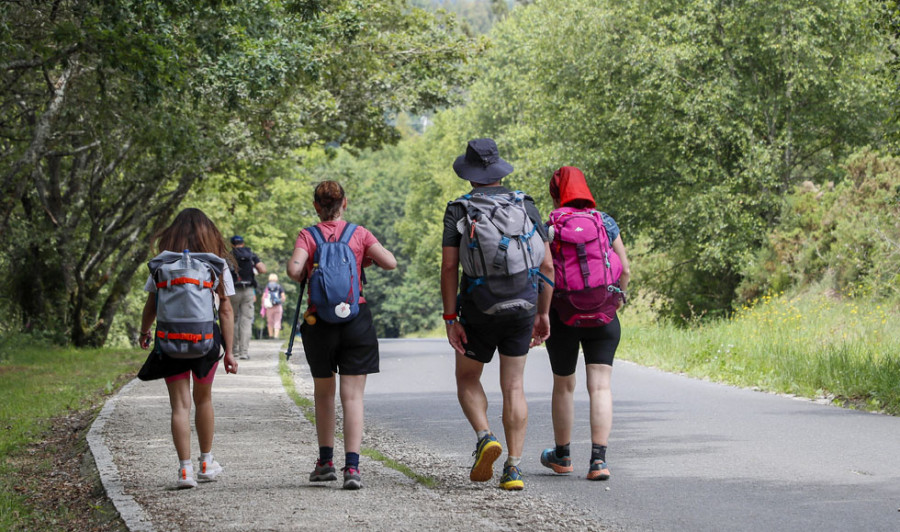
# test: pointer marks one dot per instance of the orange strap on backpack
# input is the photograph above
(194, 338)
(183, 280)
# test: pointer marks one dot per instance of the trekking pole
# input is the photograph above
(287, 354)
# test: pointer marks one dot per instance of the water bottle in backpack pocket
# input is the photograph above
(334, 281)
(586, 268)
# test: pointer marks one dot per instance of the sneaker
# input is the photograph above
(209, 470)
(352, 480)
(323, 472)
(185, 479)
(512, 478)
(487, 450)
(244, 357)
(558, 465)
(598, 471)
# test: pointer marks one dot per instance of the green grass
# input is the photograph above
(811, 345)
(425, 480)
(287, 380)
(38, 384)
(308, 409)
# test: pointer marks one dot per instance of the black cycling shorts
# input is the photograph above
(347, 348)
(599, 344)
(511, 338)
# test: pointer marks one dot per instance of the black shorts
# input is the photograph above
(348, 348)
(599, 344)
(159, 365)
(510, 338)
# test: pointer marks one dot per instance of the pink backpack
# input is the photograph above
(586, 269)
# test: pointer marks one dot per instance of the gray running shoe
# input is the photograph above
(352, 480)
(323, 472)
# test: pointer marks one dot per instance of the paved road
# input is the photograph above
(685, 454)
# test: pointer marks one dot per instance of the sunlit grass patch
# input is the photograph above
(813, 345)
(40, 383)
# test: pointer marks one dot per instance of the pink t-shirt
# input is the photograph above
(361, 241)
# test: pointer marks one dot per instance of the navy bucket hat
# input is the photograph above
(481, 163)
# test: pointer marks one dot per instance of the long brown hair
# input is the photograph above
(329, 196)
(192, 230)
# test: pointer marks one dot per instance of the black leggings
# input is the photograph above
(599, 344)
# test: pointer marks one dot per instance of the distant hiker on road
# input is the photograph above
(338, 332)
(273, 306)
(498, 237)
(592, 276)
(248, 264)
(188, 286)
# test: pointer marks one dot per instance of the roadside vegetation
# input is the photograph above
(50, 397)
(812, 344)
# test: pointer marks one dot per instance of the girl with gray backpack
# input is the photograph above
(187, 291)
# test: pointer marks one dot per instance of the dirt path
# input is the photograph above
(267, 448)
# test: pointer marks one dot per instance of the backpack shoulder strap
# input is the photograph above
(347, 233)
(316, 234)
(462, 200)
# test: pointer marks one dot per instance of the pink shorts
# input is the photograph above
(205, 380)
(274, 316)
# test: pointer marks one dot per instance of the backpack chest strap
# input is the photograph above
(502, 249)
(581, 250)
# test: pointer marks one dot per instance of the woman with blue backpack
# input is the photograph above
(337, 330)
(591, 275)
(187, 290)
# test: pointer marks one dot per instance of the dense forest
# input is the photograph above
(745, 148)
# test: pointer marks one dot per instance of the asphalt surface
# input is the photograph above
(685, 454)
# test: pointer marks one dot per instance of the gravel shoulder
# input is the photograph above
(268, 447)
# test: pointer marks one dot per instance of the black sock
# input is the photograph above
(326, 454)
(562, 451)
(598, 452)
(351, 460)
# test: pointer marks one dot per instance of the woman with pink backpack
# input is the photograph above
(591, 274)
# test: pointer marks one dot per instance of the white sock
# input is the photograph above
(186, 464)
(206, 457)
(481, 434)
(513, 460)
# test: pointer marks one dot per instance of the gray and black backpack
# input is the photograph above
(501, 253)
(185, 301)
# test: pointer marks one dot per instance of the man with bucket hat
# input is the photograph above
(504, 298)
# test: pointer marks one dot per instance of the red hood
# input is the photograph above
(568, 184)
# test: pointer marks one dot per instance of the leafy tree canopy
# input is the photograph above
(111, 112)
(691, 119)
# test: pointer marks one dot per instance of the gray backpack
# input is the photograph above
(185, 302)
(501, 253)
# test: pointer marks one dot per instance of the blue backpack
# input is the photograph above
(334, 281)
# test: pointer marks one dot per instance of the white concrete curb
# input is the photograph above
(130, 511)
